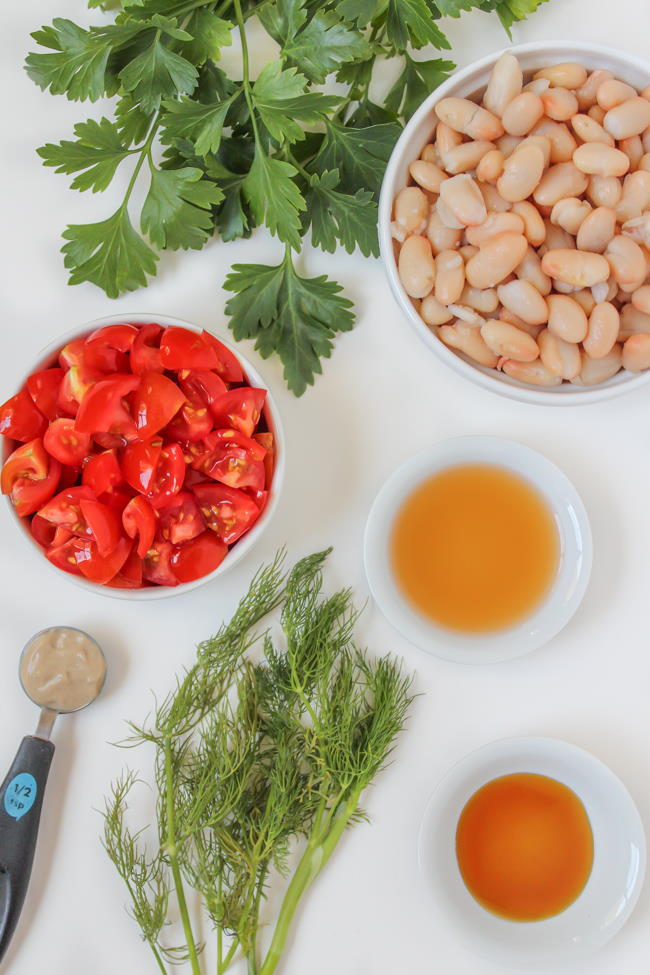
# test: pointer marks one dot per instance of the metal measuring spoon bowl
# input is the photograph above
(62, 669)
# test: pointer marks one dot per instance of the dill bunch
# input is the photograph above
(262, 754)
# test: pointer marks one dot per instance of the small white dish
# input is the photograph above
(572, 575)
(616, 878)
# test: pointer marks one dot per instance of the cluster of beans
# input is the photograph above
(524, 239)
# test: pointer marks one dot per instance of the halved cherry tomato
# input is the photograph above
(104, 345)
(43, 531)
(180, 519)
(104, 525)
(227, 365)
(230, 457)
(267, 440)
(239, 408)
(102, 408)
(139, 463)
(102, 472)
(182, 349)
(145, 352)
(168, 477)
(76, 383)
(201, 385)
(156, 400)
(157, 564)
(64, 442)
(29, 477)
(130, 575)
(198, 558)
(192, 423)
(63, 555)
(139, 519)
(43, 387)
(100, 568)
(227, 511)
(19, 418)
(65, 509)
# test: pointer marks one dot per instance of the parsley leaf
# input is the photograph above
(316, 48)
(109, 254)
(95, 156)
(417, 80)
(77, 65)
(293, 316)
(273, 196)
(196, 122)
(350, 219)
(510, 11)
(177, 212)
(282, 102)
(158, 73)
(209, 34)
(360, 155)
(131, 122)
(454, 8)
(411, 21)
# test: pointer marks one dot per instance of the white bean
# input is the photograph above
(633, 149)
(491, 166)
(507, 340)
(586, 94)
(629, 118)
(463, 197)
(568, 74)
(493, 199)
(570, 214)
(433, 312)
(508, 143)
(560, 104)
(466, 157)
(416, 267)
(613, 92)
(469, 341)
(561, 139)
(467, 117)
(505, 83)
(411, 210)
(636, 352)
(534, 227)
(485, 301)
(496, 223)
(430, 153)
(533, 373)
(588, 130)
(585, 299)
(597, 159)
(450, 277)
(530, 270)
(447, 215)
(644, 162)
(641, 299)
(524, 300)
(542, 142)
(446, 139)
(567, 318)
(468, 315)
(522, 114)
(441, 238)
(427, 175)
(604, 191)
(596, 371)
(560, 357)
(563, 179)
(521, 173)
(581, 269)
(604, 325)
(597, 230)
(496, 260)
(626, 260)
(635, 198)
(633, 322)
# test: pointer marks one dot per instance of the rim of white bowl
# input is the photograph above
(245, 544)
(610, 807)
(572, 576)
(466, 81)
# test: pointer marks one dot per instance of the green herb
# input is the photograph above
(228, 154)
(260, 766)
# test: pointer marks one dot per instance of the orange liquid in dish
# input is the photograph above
(525, 847)
(475, 548)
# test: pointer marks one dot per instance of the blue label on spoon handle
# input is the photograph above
(20, 795)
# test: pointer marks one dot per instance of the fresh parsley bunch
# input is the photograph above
(227, 155)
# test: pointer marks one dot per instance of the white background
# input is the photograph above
(381, 399)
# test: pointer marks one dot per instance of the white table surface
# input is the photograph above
(380, 400)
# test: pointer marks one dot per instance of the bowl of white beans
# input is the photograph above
(514, 222)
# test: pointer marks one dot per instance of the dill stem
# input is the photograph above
(172, 852)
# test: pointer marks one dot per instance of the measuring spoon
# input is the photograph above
(62, 670)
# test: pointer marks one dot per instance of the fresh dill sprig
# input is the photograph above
(258, 761)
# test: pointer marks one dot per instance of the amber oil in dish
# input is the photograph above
(524, 847)
(475, 548)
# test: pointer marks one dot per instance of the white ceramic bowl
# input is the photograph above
(618, 870)
(47, 358)
(572, 574)
(470, 82)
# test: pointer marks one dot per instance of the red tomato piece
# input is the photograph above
(182, 349)
(30, 476)
(267, 440)
(145, 351)
(64, 555)
(228, 512)
(227, 366)
(139, 463)
(69, 476)
(169, 476)
(65, 509)
(76, 383)
(104, 525)
(230, 457)
(64, 442)
(72, 354)
(119, 337)
(117, 499)
(181, 519)
(100, 568)
(192, 423)
(155, 402)
(156, 567)
(198, 558)
(102, 472)
(102, 408)
(109, 441)
(139, 518)
(20, 419)
(43, 531)
(239, 408)
(43, 387)
(130, 575)
(201, 385)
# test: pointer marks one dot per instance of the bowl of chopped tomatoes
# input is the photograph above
(142, 456)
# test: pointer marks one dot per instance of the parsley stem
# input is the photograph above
(145, 153)
(244, 41)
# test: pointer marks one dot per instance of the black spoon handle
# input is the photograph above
(21, 798)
